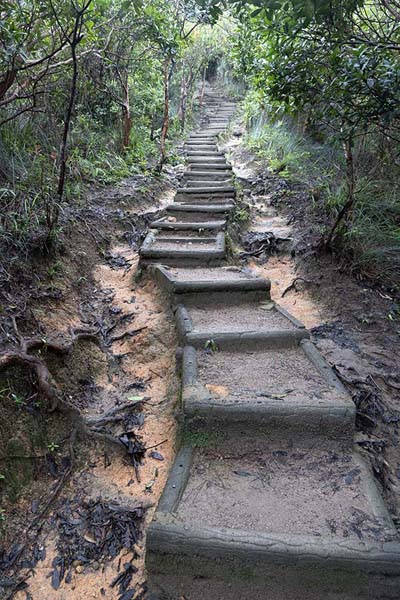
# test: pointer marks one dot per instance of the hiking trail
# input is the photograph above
(267, 494)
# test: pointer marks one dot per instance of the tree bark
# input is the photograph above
(126, 117)
(165, 127)
(203, 86)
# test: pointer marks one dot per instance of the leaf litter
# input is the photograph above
(93, 531)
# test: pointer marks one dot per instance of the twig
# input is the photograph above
(292, 286)
(156, 445)
(121, 336)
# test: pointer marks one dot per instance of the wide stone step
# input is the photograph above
(306, 521)
(206, 159)
(201, 200)
(210, 153)
(229, 189)
(228, 321)
(272, 385)
(182, 237)
(191, 175)
(210, 166)
(209, 222)
(210, 138)
(196, 183)
(206, 282)
(200, 147)
(187, 210)
(182, 254)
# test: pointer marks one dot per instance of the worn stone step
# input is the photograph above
(206, 159)
(267, 384)
(309, 521)
(211, 166)
(216, 175)
(200, 143)
(229, 189)
(191, 253)
(194, 224)
(187, 236)
(201, 147)
(205, 283)
(230, 320)
(201, 153)
(179, 209)
(195, 183)
(203, 135)
(202, 199)
(199, 199)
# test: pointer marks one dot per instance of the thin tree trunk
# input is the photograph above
(152, 126)
(67, 122)
(182, 101)
(350, 177)
(126, 118)
(203, 86)
(164, 131)
(74, 40)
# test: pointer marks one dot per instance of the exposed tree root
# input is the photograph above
(82, 427)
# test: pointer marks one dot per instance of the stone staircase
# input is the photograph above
(267, 497)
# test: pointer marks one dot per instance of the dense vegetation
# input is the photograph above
(324, 105)
(91, 91)
(87, 90)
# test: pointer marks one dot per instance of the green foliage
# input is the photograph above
(324, 96)
(117, 113)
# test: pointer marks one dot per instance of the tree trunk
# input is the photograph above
(7, 82)
(67, 121)
(164, 131)
(126, 118)
(152, 126)
(182, 101)
(203, 86)
(74, 40)
(350, 178)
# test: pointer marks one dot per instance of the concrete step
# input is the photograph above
(276, 386)
(207, 190)
(307, 521)
(209, 166)
(205, 283)
(196, 183)
(187, 210)
(211, 160)
(229, 320)
(194, 224)
(205, 174)
(182, 254)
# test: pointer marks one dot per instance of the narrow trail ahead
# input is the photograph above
(267, 497)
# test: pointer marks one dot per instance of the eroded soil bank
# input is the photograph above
(354, 322)
(66, 528)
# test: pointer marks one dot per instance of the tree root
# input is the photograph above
(83, 428)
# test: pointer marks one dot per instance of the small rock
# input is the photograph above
(79, 568)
